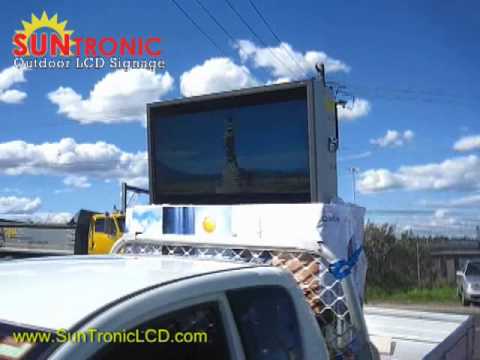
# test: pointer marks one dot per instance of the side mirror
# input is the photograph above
(459, 273)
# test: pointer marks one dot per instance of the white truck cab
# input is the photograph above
(247, 312)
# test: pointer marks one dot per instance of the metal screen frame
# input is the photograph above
(265, 91)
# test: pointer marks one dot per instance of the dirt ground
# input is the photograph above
(473, 309)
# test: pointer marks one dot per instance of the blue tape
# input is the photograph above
(342, 268)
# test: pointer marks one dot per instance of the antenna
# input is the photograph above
(343, 97)
(320, 67)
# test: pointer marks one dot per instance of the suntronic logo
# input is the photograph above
(47, 37)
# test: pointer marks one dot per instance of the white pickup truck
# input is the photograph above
(170, 307)
(246, 311)
(269, 294)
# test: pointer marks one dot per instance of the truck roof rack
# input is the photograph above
(332, 299)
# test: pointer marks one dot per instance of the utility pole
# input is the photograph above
(418, 264)
(354, 171)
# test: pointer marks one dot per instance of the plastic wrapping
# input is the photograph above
(341, 228)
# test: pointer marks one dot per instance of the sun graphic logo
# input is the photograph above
(33, 40)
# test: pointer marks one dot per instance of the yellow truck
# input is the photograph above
(87, 233)
(104, 230)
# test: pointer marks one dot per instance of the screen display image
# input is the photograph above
(232, 154)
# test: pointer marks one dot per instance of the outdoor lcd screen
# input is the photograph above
(247, 149)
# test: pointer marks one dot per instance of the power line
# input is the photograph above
(219, 24)
(438, 93)
(418, 96)
(267, 24)
(199, 28)
(225, 31)
(254, 33)
(216, 21)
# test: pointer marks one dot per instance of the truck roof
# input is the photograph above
(57, 292)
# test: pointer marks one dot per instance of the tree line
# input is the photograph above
(403, 261)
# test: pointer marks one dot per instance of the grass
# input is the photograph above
(439, 295)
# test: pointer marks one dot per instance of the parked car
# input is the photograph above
(468, 283)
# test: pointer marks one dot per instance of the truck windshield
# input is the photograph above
(473, 269)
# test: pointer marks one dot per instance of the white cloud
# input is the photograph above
(215, 75)
(408, 135)
(77, 181)
(440, 213)
(11, 190)
(438, 222)
(467, 201)
(139, 181)
(447, 222)
(459, 173)
(223, 74)
(467, 143)
(442, 221)
(121, 96)
(12, 96)
(394, 138)
(42, 217)
(58, 218)
(358, 156)
(66, 157)
(9, 77)
(19, 205)
(354, 110)
(284, 62)
(470, 201)
(63, 191)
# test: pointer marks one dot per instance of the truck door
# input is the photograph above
(102, 233)
(193, 332)
(267, 323)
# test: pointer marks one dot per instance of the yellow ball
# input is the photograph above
(209, 224)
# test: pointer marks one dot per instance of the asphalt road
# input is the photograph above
(473, 310)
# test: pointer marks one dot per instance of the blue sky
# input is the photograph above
(412, 66)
